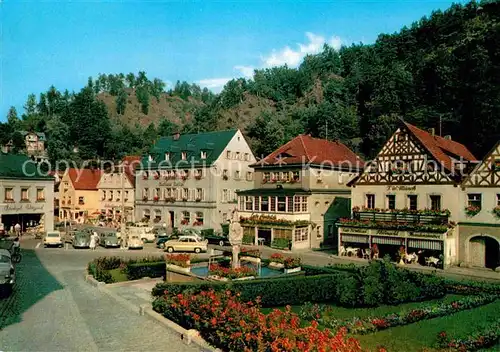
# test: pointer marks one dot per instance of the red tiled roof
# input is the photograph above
(131, 162)
(441, 149)
(314, 151)
(85, 179)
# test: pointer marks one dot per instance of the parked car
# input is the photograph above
(144, 233)
(53, 239)
(186, 244)
(135, 242)
(81, 239)
(160, 243)
(7, 271)
(109, 239)
(218, 239)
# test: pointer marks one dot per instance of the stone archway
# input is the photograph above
(483, 251)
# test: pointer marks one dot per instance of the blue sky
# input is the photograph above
(63, 43)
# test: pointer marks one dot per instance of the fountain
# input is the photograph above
(235, 238)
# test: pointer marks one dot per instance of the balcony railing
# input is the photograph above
(417, 217)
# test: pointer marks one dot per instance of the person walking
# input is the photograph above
(17, 230)
(93, 241)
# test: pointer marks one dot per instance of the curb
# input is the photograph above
(187, 336)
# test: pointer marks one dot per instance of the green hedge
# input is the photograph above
(248, 239)
(281, 243)
(139, 270)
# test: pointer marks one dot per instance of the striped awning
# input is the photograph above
(355, 238)
(426, 244)
(388, 240)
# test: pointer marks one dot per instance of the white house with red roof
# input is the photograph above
(409, 196)
(300, 191)
(116, 190)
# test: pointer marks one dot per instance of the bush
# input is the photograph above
(281, 243)
(248, 239)
(140, 270)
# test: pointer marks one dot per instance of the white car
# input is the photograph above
(53, 239)
(135, 242)
(143, 233)
(186, 244)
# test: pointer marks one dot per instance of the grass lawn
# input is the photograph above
(415, 337)
(118, 275)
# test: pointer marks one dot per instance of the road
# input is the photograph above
(54, 309)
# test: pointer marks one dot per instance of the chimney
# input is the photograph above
(448, 137)
(432, 131)
(176, 136)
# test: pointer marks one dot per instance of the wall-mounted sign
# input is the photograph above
(353, 230)
(425, 234)
(388, 233)
(402, 188)
(171, 184)
(21, 207)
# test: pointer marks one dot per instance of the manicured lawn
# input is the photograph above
(118, 275)
(415, 337)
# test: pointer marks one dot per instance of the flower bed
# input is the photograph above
(226, 322)
(133, 268)
(479, 340)
(271, 220)
(247, 252)
(427, 211)
(471, 287)
(181, 260)
(231, 273)
(373, 324)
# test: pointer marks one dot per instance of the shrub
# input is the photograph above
(140, 270)
(182, 260)
(291, 262)
(277, 258)
(248, 239)
(108, 263)
(281, 243)
(226, 322)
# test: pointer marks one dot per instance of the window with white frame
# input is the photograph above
(199, 194)
(199, 218)
(225, 195)
(248, 203)
(186, 217)
(281, 204)
(256, 203)
(289, 206)
(370, 201)
(203, 154)
(474, 200)
(301, 234)
(249, 176)
(183, 155)
(81, 200)
(272, 205)
(40, 194)
(264, 203)
(241, 203)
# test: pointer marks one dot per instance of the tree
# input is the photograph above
(130, 80)
(167, 128)
(30, 106)
(18, 142)
(12, 118)
(143, 98)
(121, 102)
(58, 136)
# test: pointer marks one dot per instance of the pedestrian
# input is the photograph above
(17, 229)
(93, 241)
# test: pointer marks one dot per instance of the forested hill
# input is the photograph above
(443, 72)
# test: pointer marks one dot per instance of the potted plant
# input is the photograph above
(292, 265)
(178, 262)
(250, 255)
(156, 198)
(277, 261)
(472, 210)
(184, 221)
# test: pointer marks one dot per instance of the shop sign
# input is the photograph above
(425, 234)
(21, 207)
(353, 230)
(171, 184)
(402, 188)
(388, 233)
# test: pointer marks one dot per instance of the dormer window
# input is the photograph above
(150, 157)
(237, 157)
(167, 156)
(228, 154)
(183, 155)
(203, 154)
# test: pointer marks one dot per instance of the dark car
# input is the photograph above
(219, 240)
(160, 243)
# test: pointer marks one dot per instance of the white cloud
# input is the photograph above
(246, 71)
(213, 83)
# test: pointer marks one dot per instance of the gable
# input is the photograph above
(487, 172)
(403, 160)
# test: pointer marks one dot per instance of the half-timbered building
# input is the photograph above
(479, 221)
(408, 196)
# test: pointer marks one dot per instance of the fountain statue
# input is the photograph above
(235, 237)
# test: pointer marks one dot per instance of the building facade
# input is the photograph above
(26, 194)
(191, 180)
(78, 194)
(117, 191)
(409, 196)
(299, 192)
(479, 220)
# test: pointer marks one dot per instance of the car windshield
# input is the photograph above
(4, 259)
(52, 234)
(110, 235)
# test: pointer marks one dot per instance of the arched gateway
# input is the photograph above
(484, 251)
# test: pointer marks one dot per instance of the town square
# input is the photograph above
(341, 195)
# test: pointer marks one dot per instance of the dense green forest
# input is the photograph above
(443, 72)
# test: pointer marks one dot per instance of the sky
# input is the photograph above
(62, 43)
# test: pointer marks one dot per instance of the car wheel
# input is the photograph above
(197, 250)
(170, 249)
(221, 243)
(162, 245)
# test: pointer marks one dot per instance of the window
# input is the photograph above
(198, 173)
(285, 176)
(370, 201)
(296, 176)
(224, 174)
(81, 200)
(150, 157)
(157, 192)
(228, 154)
(237, 156)
(248, 203)
(272, 201)
(185, 217)
(412, 202)
(300, 204)
(199, 194)
(126, 196)
(24, 194)
(249, 176)
(225, 195)
(185, 193)
(391, 201)
(282, 204)
(199, 218)
(247, 157)
(474, 200)
(110, 195)
(498, 200)
(264, 203)
(241, 203)
(256, 204)
(224, 217)
(267, 176)
(301, 234)
(435, 202)
(203, 154)
(118, 195)
(167, 156)
(237, 175)
(183, 155)
(290, 204)
(40, 194)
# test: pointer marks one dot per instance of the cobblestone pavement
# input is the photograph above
(54, 309)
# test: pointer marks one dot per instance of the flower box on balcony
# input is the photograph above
(198, 223)
(156, 198)
(40, 200)
(184, 222)
(198, 177)
(198, 199)
(144, 199)
(471, 210)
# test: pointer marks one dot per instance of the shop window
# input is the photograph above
(370, 201)
(301, 234)
(435, 202)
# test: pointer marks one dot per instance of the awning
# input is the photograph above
(273, 192)
(355, 238)
(426, 244)
(388, 240)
